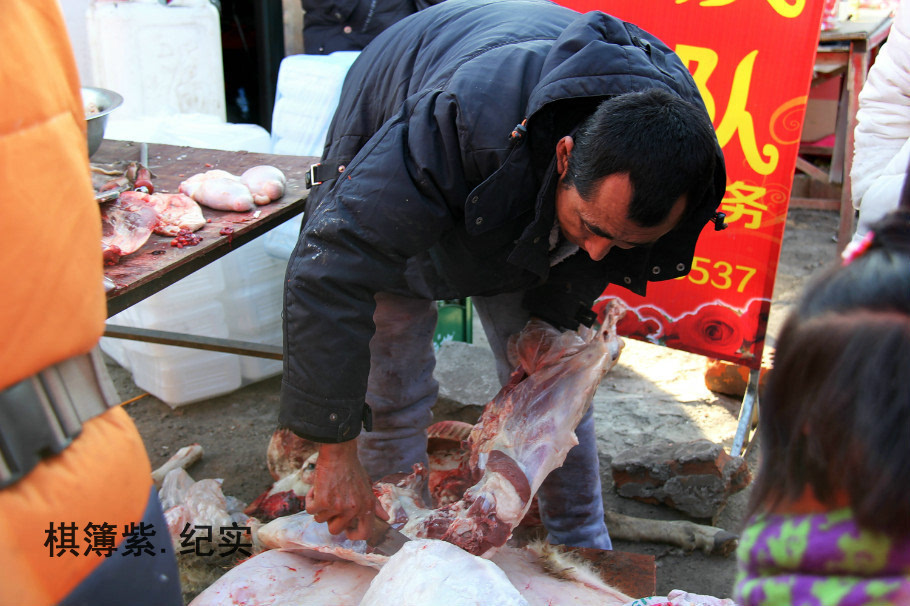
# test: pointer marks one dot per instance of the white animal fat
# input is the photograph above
(163, 59)
(449, 576)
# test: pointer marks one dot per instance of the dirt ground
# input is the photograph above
(652, 393)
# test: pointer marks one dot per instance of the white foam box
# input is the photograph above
(254, 310)
(250, 265)
(281, 241)
(181, 297)
(186, 376)
(183, 375)
(163, 59)
(254, 315)
(116, 348)
(306, 96)
(253, 291)
(193, 130)
(206, 318)
(253, 368)
(179, 375)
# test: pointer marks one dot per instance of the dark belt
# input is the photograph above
(40, 416)
(327, 170)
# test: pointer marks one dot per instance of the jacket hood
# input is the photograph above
(598, 55)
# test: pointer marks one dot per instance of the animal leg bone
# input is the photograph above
(682, 533)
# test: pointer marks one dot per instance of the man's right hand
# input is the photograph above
(342, 494)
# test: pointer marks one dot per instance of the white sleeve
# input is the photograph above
(883, 119)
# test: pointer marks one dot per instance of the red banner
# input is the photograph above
(752, 61)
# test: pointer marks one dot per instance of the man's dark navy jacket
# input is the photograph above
(438, 199)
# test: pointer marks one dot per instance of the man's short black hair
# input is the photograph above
(665, 144)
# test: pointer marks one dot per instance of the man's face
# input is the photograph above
(599, 224)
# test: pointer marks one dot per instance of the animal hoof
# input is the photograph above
(725, 542)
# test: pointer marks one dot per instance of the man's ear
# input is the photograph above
(563, 151)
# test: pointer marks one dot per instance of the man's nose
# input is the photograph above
(598, 248)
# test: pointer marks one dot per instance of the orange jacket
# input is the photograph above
(53, 303)
(52, 306)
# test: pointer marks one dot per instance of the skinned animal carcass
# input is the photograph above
(457, 449)
(425, 572)
(524, 433)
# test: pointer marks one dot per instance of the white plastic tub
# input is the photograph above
(163, 59)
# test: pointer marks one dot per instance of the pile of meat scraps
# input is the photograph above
(129, 220)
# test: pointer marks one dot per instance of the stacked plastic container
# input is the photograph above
(164, 59)
(237, 297)
(254, 290)
(179, 375)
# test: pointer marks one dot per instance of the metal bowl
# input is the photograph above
(105, 101)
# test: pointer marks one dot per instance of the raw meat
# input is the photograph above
(546, 576)
(176, 212)
(265, 182)
(300, 531)
(424, 572)
(218, 189)
(287, 494)
(128, 221)
(124, 229)
(189, 504)
(287, 452)
(222, 190)
(281, 577)
(525, 432)
(292, 463)
(449, 474)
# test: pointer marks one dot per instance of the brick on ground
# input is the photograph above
(694, 477)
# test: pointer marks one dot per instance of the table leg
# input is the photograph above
(857, 68)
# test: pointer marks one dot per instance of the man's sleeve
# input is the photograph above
(393, 201)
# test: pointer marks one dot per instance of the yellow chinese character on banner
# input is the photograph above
(782, 7)
(742, 200)
(737, 120)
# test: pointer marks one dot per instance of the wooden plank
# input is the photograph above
(815, 203)
(158, 264)
(860, 62)
(812, 170)
(815, 150)
(872, 25)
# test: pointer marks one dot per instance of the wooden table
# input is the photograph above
(847, 51)
(158, 264)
